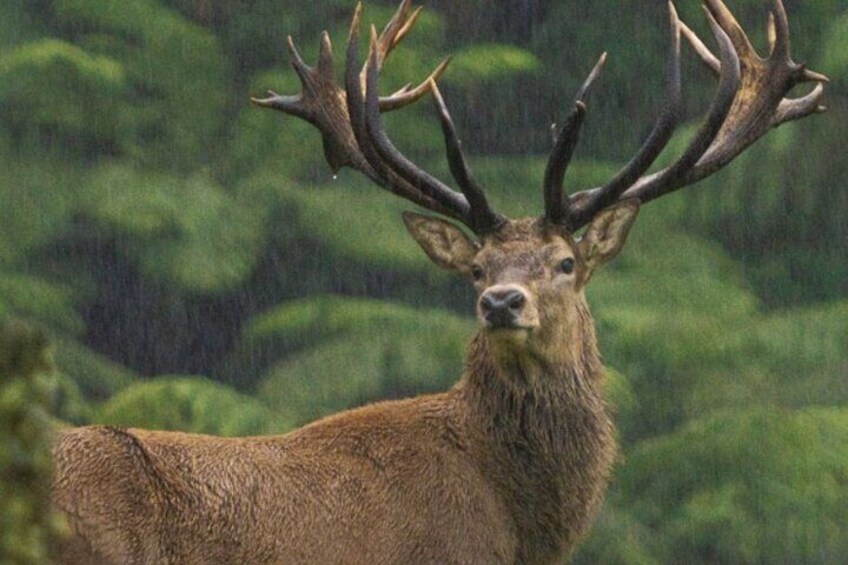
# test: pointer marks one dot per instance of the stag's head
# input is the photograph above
(530, 273)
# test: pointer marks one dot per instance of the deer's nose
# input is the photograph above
(501, 308)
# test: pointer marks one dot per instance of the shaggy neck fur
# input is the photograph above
(551, 442)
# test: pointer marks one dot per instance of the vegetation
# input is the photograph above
(196, 266)
(26, 390)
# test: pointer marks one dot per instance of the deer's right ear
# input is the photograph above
(444, 243)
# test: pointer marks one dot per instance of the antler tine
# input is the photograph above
(384, 174)
(797, 108)
(750, 100)
(730, 79)
(563, 150)
(355, 105)
(296, 104)
(729, 24)
(583, 92)
(407, 95)
(703, 52)
(582, 209)
(340, 114)
(323, 103)
(556, 201)
(395, 30)
(482, 218)
(394, 159)
(288, 104)
(326, 64)
(760, 103)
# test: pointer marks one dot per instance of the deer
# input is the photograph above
(510, 465)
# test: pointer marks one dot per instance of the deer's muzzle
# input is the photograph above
(502, 307)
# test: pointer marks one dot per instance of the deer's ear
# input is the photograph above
(443, 242)
(605, 235)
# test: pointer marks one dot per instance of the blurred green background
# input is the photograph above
(195, 266)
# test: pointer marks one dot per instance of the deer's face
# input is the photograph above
(524, 275)
(529, 273)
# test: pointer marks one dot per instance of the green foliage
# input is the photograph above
(754, 486)
(96, 377)
(618, 392)
(178, 83)
(805, 355)
(256, 36)
(781, 215)
(376, 234)
(209, 247)
(26, 521)
(486, 64)
(678, 320)
(272, 144)
(53, 87)
(190, 404)
(617, 538)
(363, 350)
(26, 296)
(835, 58)
(38, 195)
(17, 24)
(667, 314)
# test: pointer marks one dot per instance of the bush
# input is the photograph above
(174, 68)
(363, 350)
(57, 91)
(208, 247)
(189, 404)
(757, 486)
(26, 522)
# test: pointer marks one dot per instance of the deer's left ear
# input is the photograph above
(443, 242)
(605, 235)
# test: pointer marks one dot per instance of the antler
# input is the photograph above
(350, 124)
(749, 101)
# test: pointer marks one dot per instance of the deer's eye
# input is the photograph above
(567, 266)
(477, 272)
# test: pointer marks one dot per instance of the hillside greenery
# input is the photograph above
(194, 264)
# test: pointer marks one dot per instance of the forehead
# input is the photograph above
(527, 239)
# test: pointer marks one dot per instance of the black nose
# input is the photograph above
(500, 308)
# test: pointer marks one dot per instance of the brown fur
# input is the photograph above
(508, 466)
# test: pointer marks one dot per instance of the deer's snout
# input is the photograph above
(502, 307)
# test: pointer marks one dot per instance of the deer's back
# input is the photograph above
(392, 482)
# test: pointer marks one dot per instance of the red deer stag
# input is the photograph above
(508, 466)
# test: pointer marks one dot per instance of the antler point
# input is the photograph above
(812, 76)
(673, 11)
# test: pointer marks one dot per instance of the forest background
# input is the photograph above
(195, 265)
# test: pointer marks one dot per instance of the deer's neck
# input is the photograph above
(547, 441)
(550, 402)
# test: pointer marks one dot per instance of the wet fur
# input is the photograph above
(509, 466)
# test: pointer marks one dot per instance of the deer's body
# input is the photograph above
(506, 467)
(510, 465)
(389, 483)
